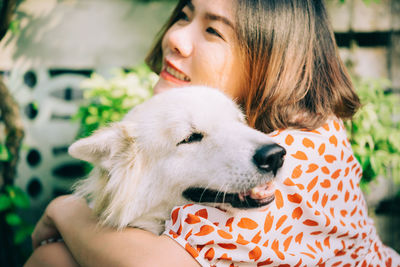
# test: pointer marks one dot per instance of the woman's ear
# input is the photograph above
(102, 144)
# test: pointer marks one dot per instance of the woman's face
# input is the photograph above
(201, 49)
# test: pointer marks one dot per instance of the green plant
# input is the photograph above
(374, 132)
(4, 154)
(12, 199)
(109, 100)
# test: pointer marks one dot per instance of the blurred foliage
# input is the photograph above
(12, 199)
(375, 131)
(4, 154)
(109, 100)
(15, 26)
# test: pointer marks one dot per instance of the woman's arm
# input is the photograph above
(51, 255)
(93, 245)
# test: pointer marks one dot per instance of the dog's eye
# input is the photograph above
(194, 137)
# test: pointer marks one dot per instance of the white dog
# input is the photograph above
(184, 145)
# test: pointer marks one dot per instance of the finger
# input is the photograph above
(34, 235)
(39, 240)
(44, 230)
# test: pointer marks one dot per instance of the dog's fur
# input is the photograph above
(143, 164)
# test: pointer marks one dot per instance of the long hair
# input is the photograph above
(155, 57)
(294, 77)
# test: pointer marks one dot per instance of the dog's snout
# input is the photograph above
(269, 157)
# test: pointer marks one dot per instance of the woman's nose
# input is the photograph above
(180, 41)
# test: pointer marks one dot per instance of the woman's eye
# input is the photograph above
(182, 16)
(214, 32)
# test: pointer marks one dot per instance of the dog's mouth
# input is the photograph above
(256, 197)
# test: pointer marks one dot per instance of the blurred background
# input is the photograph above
(70, 66)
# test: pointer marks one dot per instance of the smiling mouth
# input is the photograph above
(256, 197)
(177, 74)
(171, 73)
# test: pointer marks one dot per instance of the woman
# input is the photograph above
(278, 60)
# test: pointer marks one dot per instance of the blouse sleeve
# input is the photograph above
(319, 216)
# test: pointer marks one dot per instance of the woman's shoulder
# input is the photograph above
(325, 149)
(330, 136)
(327, 145)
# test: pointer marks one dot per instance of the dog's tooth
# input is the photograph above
(255, 191)
(258, 193)
(262, 194)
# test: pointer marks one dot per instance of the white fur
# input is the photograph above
(140, 172)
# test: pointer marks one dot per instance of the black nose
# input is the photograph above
(269, 158)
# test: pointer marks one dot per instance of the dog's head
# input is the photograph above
(191, 142)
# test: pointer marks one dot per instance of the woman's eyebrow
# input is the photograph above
(210, 16)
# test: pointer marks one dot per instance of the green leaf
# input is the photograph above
(108, 100)
(18, 197)
(14, 26)
(5, 202)
(23, 233)
(13, 219)
(4, 154)
(374, 136)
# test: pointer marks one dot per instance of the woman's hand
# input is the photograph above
(94, 245)
(46, 227)
(44, 230)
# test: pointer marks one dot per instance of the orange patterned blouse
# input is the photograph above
(319, 216)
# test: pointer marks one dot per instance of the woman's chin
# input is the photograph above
(158, 90)
(162, 86)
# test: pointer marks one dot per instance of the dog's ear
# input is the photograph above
(102, 144)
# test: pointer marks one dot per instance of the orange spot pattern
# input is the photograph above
(289, 140)
(307, 143)
(297, 213)
(300, 155)
(205, 230)
(247, 223)
(269, 220)
(318, 212)
(278, 199)
(174, 215)
(297, 172)
(295, 198)
(192, 219)
(312, 167)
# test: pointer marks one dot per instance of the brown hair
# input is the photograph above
(294, 75)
